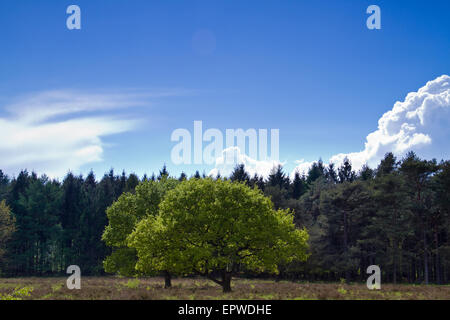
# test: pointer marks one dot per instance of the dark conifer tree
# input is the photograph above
(163, 172)
(182, 177)
(4, 185)
(330, 174)
(278, 178)
(316, 171)
(417, 173)
(366, 173)
(239, 174)
(132, 182)
(387, 165)
(122, 183)
(298, 186)
(345, 172)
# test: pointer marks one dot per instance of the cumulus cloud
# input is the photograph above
(421, 123)
(302, 167)
(55, 131)
(225, 167)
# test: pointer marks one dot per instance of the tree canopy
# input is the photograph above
(124, 214)
(7, 227)
(395, 215)
(215, 227)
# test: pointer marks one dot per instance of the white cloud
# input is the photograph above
(56, 131)
(252, 166)
(302, 167)
(421, 123)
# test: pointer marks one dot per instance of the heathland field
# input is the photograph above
(106, 288)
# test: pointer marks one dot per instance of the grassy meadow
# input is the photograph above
(114, 288)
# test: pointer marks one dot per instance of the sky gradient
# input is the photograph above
(110, 95)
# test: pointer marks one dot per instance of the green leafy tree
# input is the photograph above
(7, 227)
(214, 227)
(124, 214)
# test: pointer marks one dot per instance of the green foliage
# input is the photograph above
(18, 294)
(396, 216)
(7, 226)
(124, 214)
(133, 283)
(37, 211)
(121, 261)
(207, 226)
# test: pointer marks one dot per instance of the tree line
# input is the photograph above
(396, 216)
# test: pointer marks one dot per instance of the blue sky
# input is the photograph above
(311, 69)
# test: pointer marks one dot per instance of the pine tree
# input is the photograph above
(122, 184)
(330, 174)
(19, 244)
(72, 210)
(4, 185)
(441, 222)
(163, 172)
(277, 178)
(393, 219)
(366, 173)
(298, 186)
(132, 183)
(345, 172)
(316, 171)
(239, 174)
(387, 165)
(342, 207)
(417, 173)
(182, 177)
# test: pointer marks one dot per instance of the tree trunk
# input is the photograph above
(438, 269)
(425, 257)
(347, 271)
(394, 278)
(226, 281)
(167, 280)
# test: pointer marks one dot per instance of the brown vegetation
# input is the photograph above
(105, 288)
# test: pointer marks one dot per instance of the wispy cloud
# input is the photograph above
(55, 131)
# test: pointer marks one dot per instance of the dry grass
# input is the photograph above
(105, 288)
